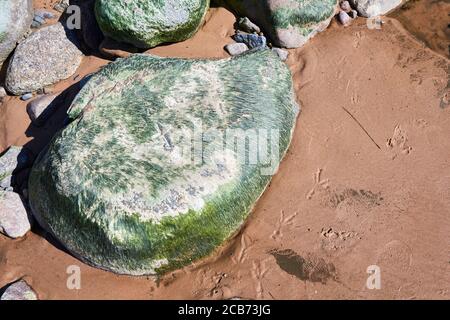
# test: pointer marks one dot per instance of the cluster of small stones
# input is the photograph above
(249, 36)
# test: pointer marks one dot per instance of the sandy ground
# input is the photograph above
(366, 182)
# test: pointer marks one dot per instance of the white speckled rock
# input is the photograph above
(14, 221)
(373, 8)
(44, 58)
(15, 20)
(19, 290)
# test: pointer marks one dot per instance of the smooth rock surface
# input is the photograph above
(15, 20)
(44, 58)
(19, 290)
(41, 108)
(287, 23)
(235, 49)
(373, 8)
(131, 185)
(146, 23)
(14, 221)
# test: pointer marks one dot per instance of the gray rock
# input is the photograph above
(14, 220)
(345, 19)
(246, 25)
(41, 109)
(345, 5)
(281, 53)
(19, 290)
(15, 20)
(44, 58)
(16, 158)
(373, 8)
(251, 40)
(236, 48)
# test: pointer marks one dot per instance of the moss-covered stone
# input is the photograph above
(141, 181)
(288, 23)
(148, 23)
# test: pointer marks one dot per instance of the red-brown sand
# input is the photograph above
(366, 182)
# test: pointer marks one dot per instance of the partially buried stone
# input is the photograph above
(19, 290)
(146, 178)
(14, 220)
(41, 109)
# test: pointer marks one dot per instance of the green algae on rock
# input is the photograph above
(288, 23)
(148, 23)
(141, 181)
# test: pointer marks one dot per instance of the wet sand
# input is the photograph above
(366, 182)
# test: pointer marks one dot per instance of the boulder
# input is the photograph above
(14, 220)
(374, 8)
(148, 23)
(15, 20)
(288, 23)
(46, 57)
(141, 180)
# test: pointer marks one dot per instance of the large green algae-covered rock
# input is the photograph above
(288, 23)
(133, 186)
(148, 23)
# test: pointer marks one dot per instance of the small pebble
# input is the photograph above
(246, 25)
(235, 49)
(39, 19)
(345, 5)
(26, 96)
(345, 19)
